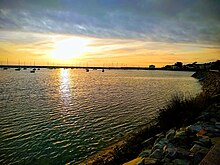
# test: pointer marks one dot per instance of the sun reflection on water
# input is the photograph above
(65, 90)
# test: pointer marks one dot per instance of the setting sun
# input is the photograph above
(69, 48)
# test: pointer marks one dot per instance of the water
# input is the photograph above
(63, 116)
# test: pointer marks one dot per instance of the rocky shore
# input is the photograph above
(210, 81)
(185, 145)
(179, 145)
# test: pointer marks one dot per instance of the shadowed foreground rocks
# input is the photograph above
(185, 145)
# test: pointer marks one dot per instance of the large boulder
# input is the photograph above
(194, 128)
(157, 154)
(150, 161)
(145, 153)
(170, 134)
(181, 162)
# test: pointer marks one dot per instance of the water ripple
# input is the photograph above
(63, 116)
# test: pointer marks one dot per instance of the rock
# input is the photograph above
(157, 154)
(194, 128)
(160, 144)
(145, 153)
(166, 161)
(205, 140)
(204, 117)
(217, 125)
(141, 162)
(195, 148)
(204, 151)
(171, 152)
(182, 153)
(170, 134)
(159, 140)
(160, 135)
(148, 142)
(212, 135)
(150, 161)
(180, 132)
(164, 141)
(197, 158)
(169, 145)
(213, 120)
(201, 132)
(181, 162)
(211, 128)
(199, 143)
(215, 140)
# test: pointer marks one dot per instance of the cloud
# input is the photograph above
(173, 21)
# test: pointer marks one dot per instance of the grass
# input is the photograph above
(181, 111)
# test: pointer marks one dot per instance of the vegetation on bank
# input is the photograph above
(181, 111)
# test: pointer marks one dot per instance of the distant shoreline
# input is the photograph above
(91, 67)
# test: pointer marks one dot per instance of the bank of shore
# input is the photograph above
(184, 142)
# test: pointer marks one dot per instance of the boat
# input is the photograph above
(38, 69)
(32, 71)
(103, 70)
(17, 69)
(87, 70)
(5, 68)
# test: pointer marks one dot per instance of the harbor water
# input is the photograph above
(61, 116)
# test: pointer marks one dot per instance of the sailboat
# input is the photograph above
(25, 68)
(18, 69)
(34, 69)
(5, 68)
(87, 69)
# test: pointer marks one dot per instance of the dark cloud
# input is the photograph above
(153, 20)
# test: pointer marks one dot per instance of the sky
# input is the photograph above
(109, 32)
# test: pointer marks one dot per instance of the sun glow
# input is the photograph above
(69, 48)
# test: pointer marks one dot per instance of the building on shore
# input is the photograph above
(151, 66)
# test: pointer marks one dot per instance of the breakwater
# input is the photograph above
(185, 144)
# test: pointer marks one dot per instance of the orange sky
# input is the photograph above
(56, 49)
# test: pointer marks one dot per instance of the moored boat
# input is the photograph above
(17, 69)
